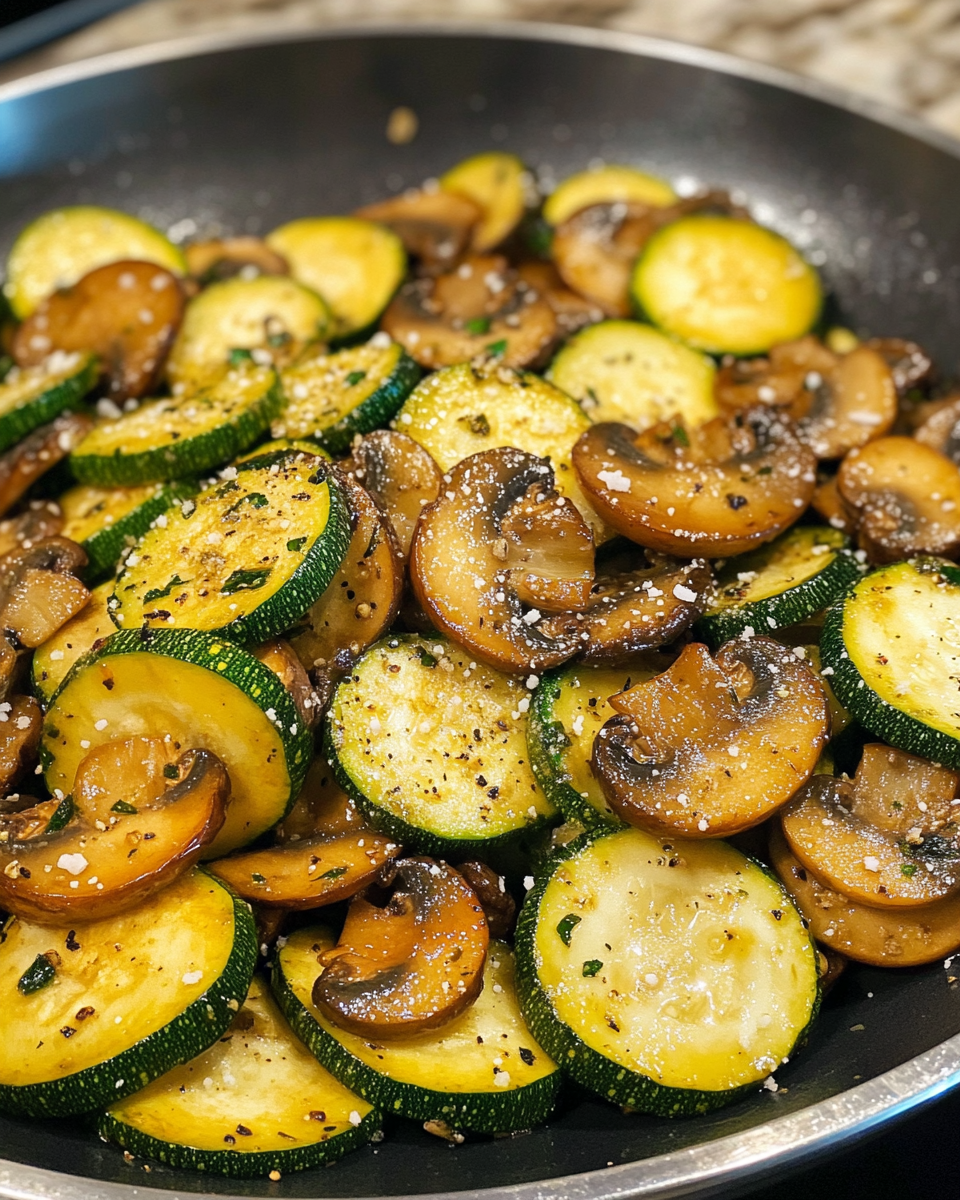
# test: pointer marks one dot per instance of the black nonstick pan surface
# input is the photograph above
(219, 135)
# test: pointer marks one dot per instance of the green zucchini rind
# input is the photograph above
(172, 681)
(333, 397)
(247, 602)
(166, 439)
(482, 796)
(198, 1025)
(573, 937)
(38, 394)
(453, 1048)
(208, 1114)
(783, 583)
(888, 660)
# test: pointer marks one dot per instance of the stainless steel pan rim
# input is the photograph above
(712, 1165)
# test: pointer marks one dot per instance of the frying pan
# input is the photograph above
(219, 134)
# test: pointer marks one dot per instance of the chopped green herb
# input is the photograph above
(170, 771)
(477, 423)
(567, 926)
(257, 877)
(159, 593)
(680, 436)
(497, 349)
(765, 471)
(908, 869)
(245, 581)
(63, 816)
(278, 340)
(40, 974)
(427, 659)
(591, 967)
(254, 499)
(952, 574)
(355, 377)
(225, 489)
(238, 355)
(122, 806)
(477, 326)
(296, 544)
(334, 873)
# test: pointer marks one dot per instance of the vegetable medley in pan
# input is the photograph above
(477, 642)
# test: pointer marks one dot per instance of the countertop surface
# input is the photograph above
(903, 52)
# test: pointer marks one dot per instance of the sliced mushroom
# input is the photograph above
(903, 497)
(39, 590)
(888, 838)
(29, 460)
(363, 597)
(127, 313)
(223, 258)
(716, 489)
(322, 809)
(711, 747)
(412, 965)
(42, 519)
(497, 534)
(909, 363)
(941, 429)
(139, 816)
(641, 608)
(21, 722)
(891, 937)
(434, 226)
(400, 476)
(595, 249)
(838, 401)
(282, 660)
(499, 907)
(478, 310)
(572, 310)
(826, 501)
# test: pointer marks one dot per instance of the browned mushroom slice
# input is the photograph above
(632, 611)
(941, 429)
(909, 363)
(412, 965)
(310, 873)
(711, 747)
(476, 310)
(362, 599)
(595, 249)
(890, 937)
(472, 556)
(434, 226)
(39, 591)
(282, 660)
(716, 489)
(826, 501)
(223, 258)
(499, 907)
(23, 464)
(139, 816)
(322, 809)
(20, 724)
(127, 313)
(903, 497)
(572, 310)
(888, 838)
(42, 519)
(399, 474)
(784, 378)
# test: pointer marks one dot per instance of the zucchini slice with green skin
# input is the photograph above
(609, 184)
(355, 265)
(62, 245)
(431, 747)
(30, 398)
(54, 658)
(626, 371)
(482, 1071)
(569, 708)
(666, 975)
(892, 660)
(333, 397)
(133, 996)
(182, 435)
(246, 558)
(107, 521)
(459, 411)
(204, 693)
(257, 1101)
(272, 315)
(783, 583)
(498, 183)
(725, 285)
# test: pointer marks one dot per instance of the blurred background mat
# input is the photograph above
(905, 53)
